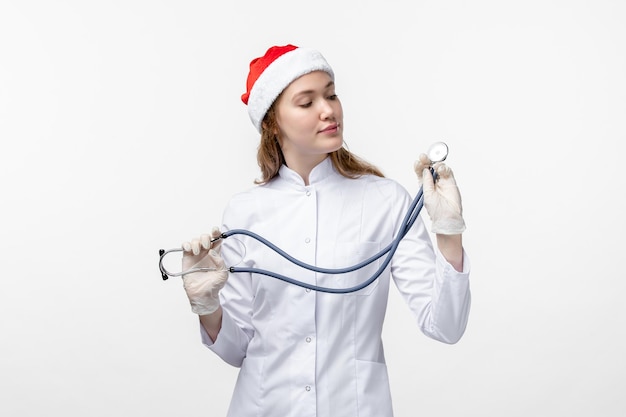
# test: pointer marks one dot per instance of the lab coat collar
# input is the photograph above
(320, 172)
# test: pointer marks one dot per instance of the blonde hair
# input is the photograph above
(270, 156)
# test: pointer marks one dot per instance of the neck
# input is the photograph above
(304, 166)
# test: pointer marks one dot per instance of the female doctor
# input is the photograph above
(314, 354)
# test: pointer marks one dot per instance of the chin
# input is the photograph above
(337, 144)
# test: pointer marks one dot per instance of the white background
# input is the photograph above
(122, 133)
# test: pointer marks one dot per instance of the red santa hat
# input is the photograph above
(270, 74)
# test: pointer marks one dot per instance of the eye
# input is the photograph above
(332, 97)
(305, 105)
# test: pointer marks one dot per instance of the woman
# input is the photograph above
(302, 352)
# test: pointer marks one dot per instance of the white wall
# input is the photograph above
(122, 132)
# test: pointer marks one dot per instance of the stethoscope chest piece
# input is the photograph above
(438, 152)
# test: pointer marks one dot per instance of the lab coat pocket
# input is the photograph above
(349, 254)
(373, 392)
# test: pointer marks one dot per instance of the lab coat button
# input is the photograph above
(307, 240)
(308, 290)
(308, 340)
(308, 388)
(308, 193)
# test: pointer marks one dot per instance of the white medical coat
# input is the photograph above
(311, 354)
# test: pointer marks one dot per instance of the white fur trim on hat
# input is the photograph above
(278, 75)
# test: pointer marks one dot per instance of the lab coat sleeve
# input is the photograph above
(236, 297)
(437, 294)
(231, 341)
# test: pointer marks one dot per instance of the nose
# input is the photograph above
(326, 110)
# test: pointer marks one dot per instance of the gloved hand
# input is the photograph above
(203, 288)
(441, 198)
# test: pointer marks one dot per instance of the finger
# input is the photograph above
(195, 246)
(446, 174)
(428, 182)
(205, 240)
(216, 233)
(186, 246)
(417, 167)
(442, 170)
(422, 162)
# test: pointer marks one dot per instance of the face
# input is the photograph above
(310, 119)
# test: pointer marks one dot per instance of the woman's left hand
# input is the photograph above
(442, 198)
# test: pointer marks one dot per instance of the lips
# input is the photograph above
(331, 128)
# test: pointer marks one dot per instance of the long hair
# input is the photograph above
(270, 156)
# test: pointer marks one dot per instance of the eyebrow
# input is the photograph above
(304, 92)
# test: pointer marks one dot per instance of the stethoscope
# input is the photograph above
(437, 152)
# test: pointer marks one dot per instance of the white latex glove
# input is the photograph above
(203, 288)
(441, 198)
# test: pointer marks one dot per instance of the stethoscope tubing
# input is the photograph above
(390, 250)
(408, 221)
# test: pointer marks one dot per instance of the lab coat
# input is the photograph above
(312, 354)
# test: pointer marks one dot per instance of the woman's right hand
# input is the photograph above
(203, 288)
